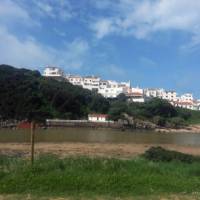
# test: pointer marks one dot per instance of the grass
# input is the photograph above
(97, 177)
(194, 118)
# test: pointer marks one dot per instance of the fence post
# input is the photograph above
(32, 141)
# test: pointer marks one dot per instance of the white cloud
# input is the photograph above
(75, 53)
(103, 27)
(27, 51)
(141, 18)
(30, 53)
(11, 12)
(59, 9)
(111, 70)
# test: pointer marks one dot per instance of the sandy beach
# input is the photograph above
(124, 151)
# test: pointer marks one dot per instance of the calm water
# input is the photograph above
(101, 136)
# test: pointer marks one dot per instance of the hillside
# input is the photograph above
(25, 94)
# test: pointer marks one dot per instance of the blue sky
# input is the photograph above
(153, 43)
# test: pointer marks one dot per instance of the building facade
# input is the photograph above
(97, 118)
(111, 89)
(53, 72)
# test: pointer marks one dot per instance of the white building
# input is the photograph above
(181, 104)
(97, 118)
(53, 72)
(111, 89)
(103, 84)
(75, 79)
(91, 82)
(186, 97)
(136, 95)
(169, 95)
(186, 101)
(154, 92)
(196, 104)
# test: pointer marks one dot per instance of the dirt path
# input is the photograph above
(89, 149)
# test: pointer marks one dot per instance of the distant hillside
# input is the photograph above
(25, 94)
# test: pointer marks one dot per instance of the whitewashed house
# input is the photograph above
(181, 104)
(154, 92)
(136, 95)
(75, 79)
(91, 82)
(111, 89)
(187, 97)
(169, 95)
(97, 117)
(53, 72)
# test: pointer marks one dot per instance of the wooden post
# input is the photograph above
(32, 141)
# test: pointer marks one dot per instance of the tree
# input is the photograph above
(117, 109)
(159, 107)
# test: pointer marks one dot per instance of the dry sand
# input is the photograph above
(124, 151)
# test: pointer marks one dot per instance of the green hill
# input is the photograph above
(25, 94)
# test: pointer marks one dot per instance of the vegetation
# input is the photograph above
(156, 110)
(97, 177)
(25, 94)
(159, 154)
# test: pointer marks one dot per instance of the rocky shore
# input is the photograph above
(188, 129)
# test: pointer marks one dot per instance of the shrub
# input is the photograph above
(176, 122)
(160, 121)
(160, 154)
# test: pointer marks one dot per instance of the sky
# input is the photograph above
(152, 43)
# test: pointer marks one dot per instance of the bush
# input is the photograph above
(160, 121)
(184, 113)
(176, 122)
(159, 154)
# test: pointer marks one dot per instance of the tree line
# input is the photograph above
(25, 94)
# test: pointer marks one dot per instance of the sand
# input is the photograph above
(124, 151)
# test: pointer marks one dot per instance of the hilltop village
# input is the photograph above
(111, 89)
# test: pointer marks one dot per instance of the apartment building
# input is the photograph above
(186, 97)
(91, 82)
(136, 95)
(182, 104)
(169, 95)
(154, 92)
(111, 89)
(75, 79)
(53, 72)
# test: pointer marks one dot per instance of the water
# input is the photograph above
(87, 135)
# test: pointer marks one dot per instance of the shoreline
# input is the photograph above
(108, 150)
(189, 129)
